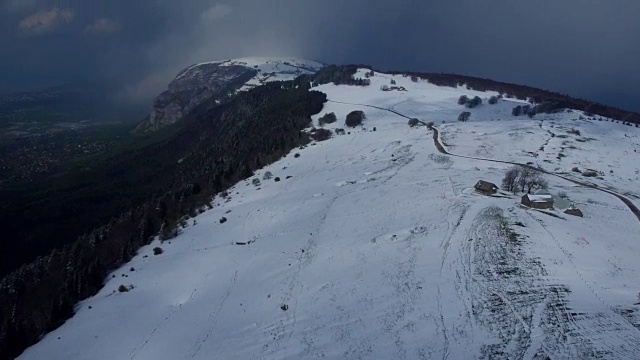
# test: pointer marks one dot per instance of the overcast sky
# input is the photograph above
(586, 48)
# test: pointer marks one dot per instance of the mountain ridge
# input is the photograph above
(218, 80)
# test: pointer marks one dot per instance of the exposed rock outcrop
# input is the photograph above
(217, 81)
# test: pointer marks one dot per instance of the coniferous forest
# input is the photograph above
(128, 199)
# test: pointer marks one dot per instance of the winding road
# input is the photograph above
(436, 141)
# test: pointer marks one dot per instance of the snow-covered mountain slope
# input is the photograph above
(268, 69)
(217, 79)
(373, 245)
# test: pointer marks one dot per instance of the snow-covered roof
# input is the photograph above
(539, 198)
(484, 185)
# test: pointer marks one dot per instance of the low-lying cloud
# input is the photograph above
(102, 26)
(46, 21)
(215, 12)
(583, 48)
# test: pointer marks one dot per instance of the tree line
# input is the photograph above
(336, 74)
(522, 92)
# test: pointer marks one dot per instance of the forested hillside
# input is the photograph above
(139, 194)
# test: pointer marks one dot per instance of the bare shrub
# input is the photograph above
(355, 118)
(414, 122)
(321, 135)
(440, 159)
(464, 116)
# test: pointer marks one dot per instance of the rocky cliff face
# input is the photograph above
(190, 88)
(216, 80)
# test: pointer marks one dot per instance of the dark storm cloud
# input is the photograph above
(584, 48)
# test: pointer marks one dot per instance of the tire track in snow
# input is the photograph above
(624, 332)
(286, 327)
(349, 323)
(406, 284)
(457, 212)
(460, 211)
(506, 288)
(511, 298)
(213, 317)
(443, 326)
(136, 350)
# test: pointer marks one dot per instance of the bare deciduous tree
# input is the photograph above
(536, 181)
(510, 180)
(523, 178)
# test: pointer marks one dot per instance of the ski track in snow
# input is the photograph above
(213, 317)
(380, 249)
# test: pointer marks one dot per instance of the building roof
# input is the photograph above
(574, 211)
(540, 198)
(485, 186)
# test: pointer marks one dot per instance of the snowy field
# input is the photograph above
(374, 246)
(550, 141)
